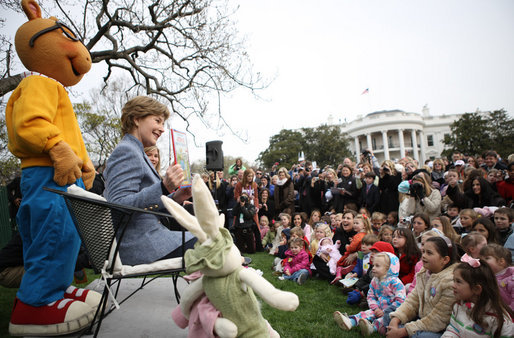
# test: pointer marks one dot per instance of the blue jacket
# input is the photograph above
(131, 179)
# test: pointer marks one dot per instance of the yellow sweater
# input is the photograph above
(39, 114)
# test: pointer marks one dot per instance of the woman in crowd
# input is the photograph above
(131, 179)
(388, 185)
(248, 186)
(437, 174)
(284, 193)
(422, 198)
(480, 195)
(266, 205)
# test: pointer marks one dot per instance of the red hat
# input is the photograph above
(382, 247)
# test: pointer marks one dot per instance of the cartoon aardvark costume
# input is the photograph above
(227, 285)
(44, 134)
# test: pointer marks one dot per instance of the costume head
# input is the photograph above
(49, 47)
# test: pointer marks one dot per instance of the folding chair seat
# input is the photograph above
(101, 226)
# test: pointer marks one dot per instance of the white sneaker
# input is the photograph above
(281, 278)
(366, 327)
(343, 321)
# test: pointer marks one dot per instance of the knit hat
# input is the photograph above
(353, 297)
(404, 187)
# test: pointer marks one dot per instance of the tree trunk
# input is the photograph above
(9, 83)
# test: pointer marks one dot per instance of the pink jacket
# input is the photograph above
(506, 283)
(294, 263)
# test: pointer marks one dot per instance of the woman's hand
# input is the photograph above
(350, 259)
(393, 331)
(182, 195)
(325, 257)
(173, 177)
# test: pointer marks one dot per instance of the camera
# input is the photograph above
(243, 199)
(366, 153)
(417, 189)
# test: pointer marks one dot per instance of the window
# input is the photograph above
(390, 141)
(430, 140)
(374, 143)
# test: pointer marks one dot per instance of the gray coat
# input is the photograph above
(131, 179)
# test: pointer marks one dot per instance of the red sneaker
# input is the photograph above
(58, 318)
(90, 297)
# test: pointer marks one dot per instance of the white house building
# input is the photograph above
(393, 134)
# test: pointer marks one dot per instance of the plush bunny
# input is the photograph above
(45, 135)
(227, 285)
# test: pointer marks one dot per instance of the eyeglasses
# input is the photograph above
(258, 173)
(58, 25)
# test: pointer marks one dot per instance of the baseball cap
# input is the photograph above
(459, 162)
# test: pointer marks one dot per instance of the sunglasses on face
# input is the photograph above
(58, 25)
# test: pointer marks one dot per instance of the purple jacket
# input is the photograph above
(506, 283)
(294, 263)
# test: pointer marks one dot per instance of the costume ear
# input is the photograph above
(31, 9)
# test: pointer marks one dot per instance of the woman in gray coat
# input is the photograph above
(131, 179)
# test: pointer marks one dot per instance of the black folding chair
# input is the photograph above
(101, 226)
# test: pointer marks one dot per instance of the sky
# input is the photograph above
(454, 56)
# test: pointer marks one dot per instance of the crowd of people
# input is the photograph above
(426, 250)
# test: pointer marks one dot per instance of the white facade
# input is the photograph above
(394, 134)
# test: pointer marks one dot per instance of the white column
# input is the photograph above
(415, 145)
(357, 149)
(386, 145)
(402, 146)
(422, 147)
(368, 140)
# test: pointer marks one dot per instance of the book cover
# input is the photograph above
(181, 155)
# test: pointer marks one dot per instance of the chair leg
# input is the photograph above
(175, 277)
(101, 310)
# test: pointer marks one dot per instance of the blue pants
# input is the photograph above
(50, 241)
(294, 276)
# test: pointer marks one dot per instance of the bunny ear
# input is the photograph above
(31, 9)
(187, 220)
(205, 209)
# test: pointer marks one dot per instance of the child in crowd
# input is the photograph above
(386, 233)
(442, 223)
(370, 193)
(285, 235)
(315, 218)
(267, 240)
(500, 261)
(453, 213)
(285, 222)
(264, 222)
(479, 305)
(296, 263)
(407, 251)
(364, 211)
(466, 219)
(472, 243)
(386, 293)
(485, 226)
(328, 247)
(503, 218)
(362, 265)
(321, 230)
(420, 224)
(392, 219)
(432, 299)
(361, 226)
(419, 264)
(377, 220)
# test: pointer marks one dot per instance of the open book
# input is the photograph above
(181, 155)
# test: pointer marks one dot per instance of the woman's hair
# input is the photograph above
(448, 229)
(497, 251)
(245, 182)
(439, 161)
(471, 240)
(444, 247)
(424, 217)
(390, 165)
(425, 179)
(492, 235)
(263, 190)
(302, 225)
(487, 194)
(350, 211)
(333, 172)
(150, 149)
(489, 299)
(411, 250)
(283, 170)
(139, 107)
(347, 166)
(366, 222)
(469, 212)
(311, 222)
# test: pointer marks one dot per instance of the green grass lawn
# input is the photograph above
(312, 318)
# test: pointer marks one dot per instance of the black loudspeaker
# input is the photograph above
(214, 156)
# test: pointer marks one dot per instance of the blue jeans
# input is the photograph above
(294, 276)
(419, 334)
